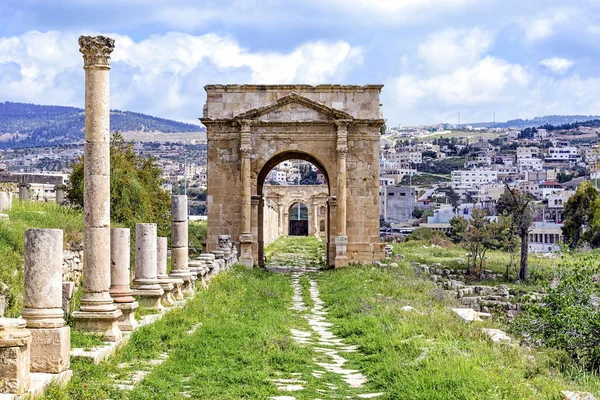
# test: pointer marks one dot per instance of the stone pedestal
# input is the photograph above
(164, 281)
(246, 250)
(42, 301)
(145, 285)
(179, 244)
(15, 348)
(120, 290)
(60, 194)
(341, 259)
(98, 312)
(24, 191)
(5, 201)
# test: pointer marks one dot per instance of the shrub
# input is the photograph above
(196, 235)
(568, 317)
(427, 234)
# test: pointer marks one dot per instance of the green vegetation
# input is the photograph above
(242, 340)
(567, 318)
(582, 213)
(444, 166)
(197, 231)
(302, 251)
(23, 216)
(430, 353)
(136, 193)
(424, 179)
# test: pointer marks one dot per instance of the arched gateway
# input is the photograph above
(252, 128)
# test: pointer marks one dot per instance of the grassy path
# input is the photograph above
(312, 334)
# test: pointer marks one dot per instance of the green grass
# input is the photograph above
(431, 353)
(85, 340)
(23, 216)
(244, 341)
(301, 251)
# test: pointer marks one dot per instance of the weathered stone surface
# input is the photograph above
(179, 234)
(179, 208)
(5, 201)
(470, 315)
(568, 395)
(250, 136)
(120, 260)
(50, 350)
(15, 342)
(496, 335)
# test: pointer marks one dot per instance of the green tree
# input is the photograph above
(136, 193)
(458, 225)
(479, 236)
(578, 212)
(520, 206)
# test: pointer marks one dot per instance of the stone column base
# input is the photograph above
(127, 322)
(187, 288)
(246, 250)
(50, 349)
(149, 298)
(105, 323)
(15, 353)
(167, 298)
(341, 259)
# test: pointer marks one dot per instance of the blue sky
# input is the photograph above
(517, 58)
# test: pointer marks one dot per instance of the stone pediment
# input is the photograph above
(294, 107)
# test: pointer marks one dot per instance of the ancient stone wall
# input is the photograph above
(271, 221)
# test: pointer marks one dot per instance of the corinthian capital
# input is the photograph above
(96, 50)
(342, 152)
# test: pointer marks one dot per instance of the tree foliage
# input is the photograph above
(520, 207)
(136, 193)
(582, 216)
(568, 318)
(479, 236)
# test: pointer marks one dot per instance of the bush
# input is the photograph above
(568, 317)
(427, 234)
(196, 236)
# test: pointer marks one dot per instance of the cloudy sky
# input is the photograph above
(517, 58)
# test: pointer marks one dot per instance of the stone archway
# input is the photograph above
(251, 128)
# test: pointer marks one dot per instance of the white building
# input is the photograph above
(474, 177)
(405, 157)
(564, 154)
(530, 164)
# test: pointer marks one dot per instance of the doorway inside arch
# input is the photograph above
(298, 222)
(293, 211)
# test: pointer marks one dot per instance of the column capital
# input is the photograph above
(342, 124)
(96, 50)
(341, 152)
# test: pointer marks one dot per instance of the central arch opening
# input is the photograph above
(293, 210)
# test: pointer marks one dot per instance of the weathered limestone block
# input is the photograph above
(15, 348)
(24, 191)
(5, 201)
(164, 281)
(120, 289)
(42, 300)
(179, 234)
(68, 289)
(568, 395)
(145, 285)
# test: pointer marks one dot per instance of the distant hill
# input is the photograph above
(30, 125)
(537, 121)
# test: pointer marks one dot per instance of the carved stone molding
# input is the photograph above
(341, 152)
(96, 50)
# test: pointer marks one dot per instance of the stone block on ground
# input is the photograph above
(496, 335)
(567, 395)
(50, 349)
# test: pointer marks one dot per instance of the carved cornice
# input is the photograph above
(96, 50)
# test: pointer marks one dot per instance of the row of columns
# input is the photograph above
(58, 190)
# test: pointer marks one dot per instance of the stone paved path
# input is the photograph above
(329, 349)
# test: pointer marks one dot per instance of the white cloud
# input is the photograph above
(542, 27)
(164, 74)
(452, 48)
(557, 64)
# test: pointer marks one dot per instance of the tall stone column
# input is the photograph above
(42, 301)
(246, 238)
(98, 312)
(145, 285)
(24, 191)
(120, 289)
(179, 243)
(341, 237)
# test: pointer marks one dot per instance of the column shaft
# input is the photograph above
(341, 195)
